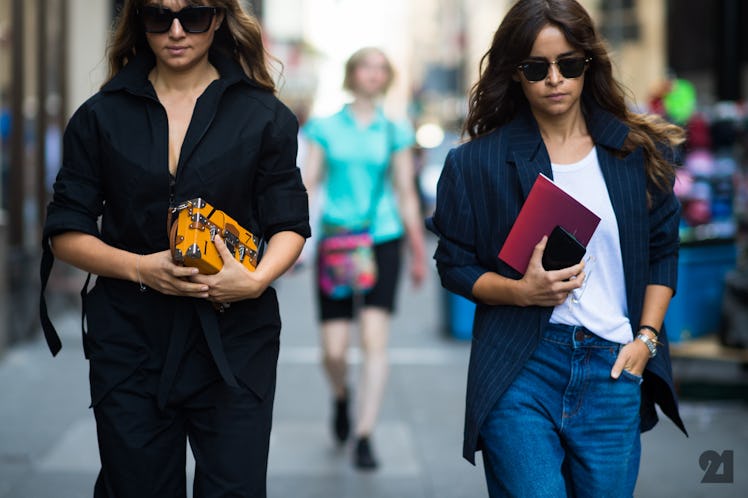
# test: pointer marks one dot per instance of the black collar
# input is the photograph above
(134, 76)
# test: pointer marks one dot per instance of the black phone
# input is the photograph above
(562, 250)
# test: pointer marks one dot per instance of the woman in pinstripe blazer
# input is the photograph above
(566, 366)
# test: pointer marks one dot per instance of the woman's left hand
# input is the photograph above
(234, 282)
(633, 358)
(417, 271)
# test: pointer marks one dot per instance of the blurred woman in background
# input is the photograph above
(363, 162)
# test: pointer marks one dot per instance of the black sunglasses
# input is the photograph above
(192, 19)
(569, 67)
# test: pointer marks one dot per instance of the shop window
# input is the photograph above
(619, 21)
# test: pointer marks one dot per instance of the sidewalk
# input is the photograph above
(48, 442)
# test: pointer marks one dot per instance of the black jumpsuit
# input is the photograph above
(165, 367)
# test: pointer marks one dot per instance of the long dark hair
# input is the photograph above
(239, 37)
(496, 98)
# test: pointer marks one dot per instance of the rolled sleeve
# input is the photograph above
(77, 201)
(454, 223)
(282, 198)
(76, 204)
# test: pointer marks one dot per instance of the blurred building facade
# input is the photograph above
(437, 46)
(52, 57)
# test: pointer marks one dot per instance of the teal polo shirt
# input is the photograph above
(356, 158)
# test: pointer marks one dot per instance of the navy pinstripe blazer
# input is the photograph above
(480, 192)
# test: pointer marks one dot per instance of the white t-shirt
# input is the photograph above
(600, 305)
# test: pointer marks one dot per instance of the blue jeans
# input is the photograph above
(565, 427)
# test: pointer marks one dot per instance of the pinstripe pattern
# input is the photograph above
(480, 193)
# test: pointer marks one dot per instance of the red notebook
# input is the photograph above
(546, 206)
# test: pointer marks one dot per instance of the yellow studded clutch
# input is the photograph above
(191, 237)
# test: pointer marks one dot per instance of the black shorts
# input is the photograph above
(382, 295)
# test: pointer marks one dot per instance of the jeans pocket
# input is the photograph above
(632, 377)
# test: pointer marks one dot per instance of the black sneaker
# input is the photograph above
(363, 457)
(341, 423)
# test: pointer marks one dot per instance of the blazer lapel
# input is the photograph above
(528, 170)
(527, 151)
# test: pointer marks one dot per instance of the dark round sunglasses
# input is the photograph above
(569, 67)
(192, 19)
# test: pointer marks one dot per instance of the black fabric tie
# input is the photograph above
(183, 315)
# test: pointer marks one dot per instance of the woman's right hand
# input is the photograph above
(159, 272)
(540, 287)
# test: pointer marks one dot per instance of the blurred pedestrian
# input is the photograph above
(363, 160)
(566, 366)
(188, 111)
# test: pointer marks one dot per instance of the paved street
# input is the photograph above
(48, 444)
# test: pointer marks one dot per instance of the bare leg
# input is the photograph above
(375, 324)
(335, 337)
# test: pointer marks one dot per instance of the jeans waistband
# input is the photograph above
(575, 336)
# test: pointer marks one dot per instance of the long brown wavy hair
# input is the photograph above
(239, 37)
(496, 98)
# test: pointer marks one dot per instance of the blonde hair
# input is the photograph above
(239, 37)
(357, 58)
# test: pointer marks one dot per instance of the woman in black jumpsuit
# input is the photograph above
(189, 111)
